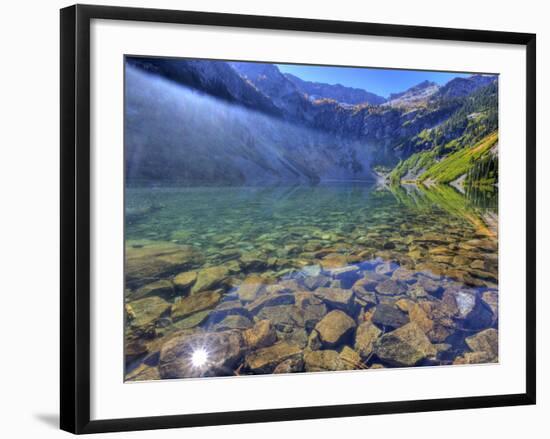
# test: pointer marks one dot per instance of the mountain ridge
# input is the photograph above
(424, 117)
(338, 92)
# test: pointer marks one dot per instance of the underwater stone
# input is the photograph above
(265, 360)
(386, 268)
(191, 321)
(314, 282)
(294, 334)
(420, 317)
(311, 270)
(262, 334)
(387, 316)
(209, 278)
(334, 260)
(335, 328)
(192, 304)
(282, 316)
(319, 361)
(369, 280)
(272, 299)
(233, 322)
(233, 307)
(155, 260)
(429, 285)
(159, 288)
(490, 297)
(350, 358)
(471, 310)
(365, 336)
(484, 341)
(403, 275)
(145, 311)
(185, 280)
(335, 297)
(224, 349)
(143, 373)
(405, 346)
(290, 366)
(250, 288)
(390, 288)
(475, 358)
(313, 313)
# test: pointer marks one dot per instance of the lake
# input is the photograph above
(339, 276)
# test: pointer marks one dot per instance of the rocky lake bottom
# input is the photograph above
(243, 281)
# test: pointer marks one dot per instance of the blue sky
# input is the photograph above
(379, 81)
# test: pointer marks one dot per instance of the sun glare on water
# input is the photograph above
(199, 357)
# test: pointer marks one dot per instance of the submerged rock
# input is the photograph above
(294, 335)
(335, 328)
(402, 274)
(143, 312)
(143, 373)
(290, 365)
(386, 268)
(262, 334)
(346, 275)
(490, 297)
(473, 312)
(474, 358)
(250, 288)
(334, 260)
(210, 278)
(283, 317)
(192, 304)
(314, 309)
(350, 359)
(390, 288)
(319, 361)
(270, 299)
(221, 350)
(405, 346)
(191, 321)
(153, 260)
(185, 280)
(314, 342)
(229, 308)
(365, 336)
(233, 322)
(265, 360)
(161, 288)
(421, 318)
(485, 341)
(314, 282)
(369, 281)
(428, 284)
(335, 297)
(387, 316)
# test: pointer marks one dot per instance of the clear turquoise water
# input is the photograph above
(282, 233)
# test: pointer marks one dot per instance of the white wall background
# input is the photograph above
(29, 249)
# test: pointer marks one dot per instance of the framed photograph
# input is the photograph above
(269, 219)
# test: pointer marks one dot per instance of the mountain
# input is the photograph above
(459, 87)
(268, 80)
(414, 96)
(214, 78)
(176, 135)
(213, 122)
(436, 153)
(337, 92)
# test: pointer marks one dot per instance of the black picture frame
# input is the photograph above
(75, 217)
